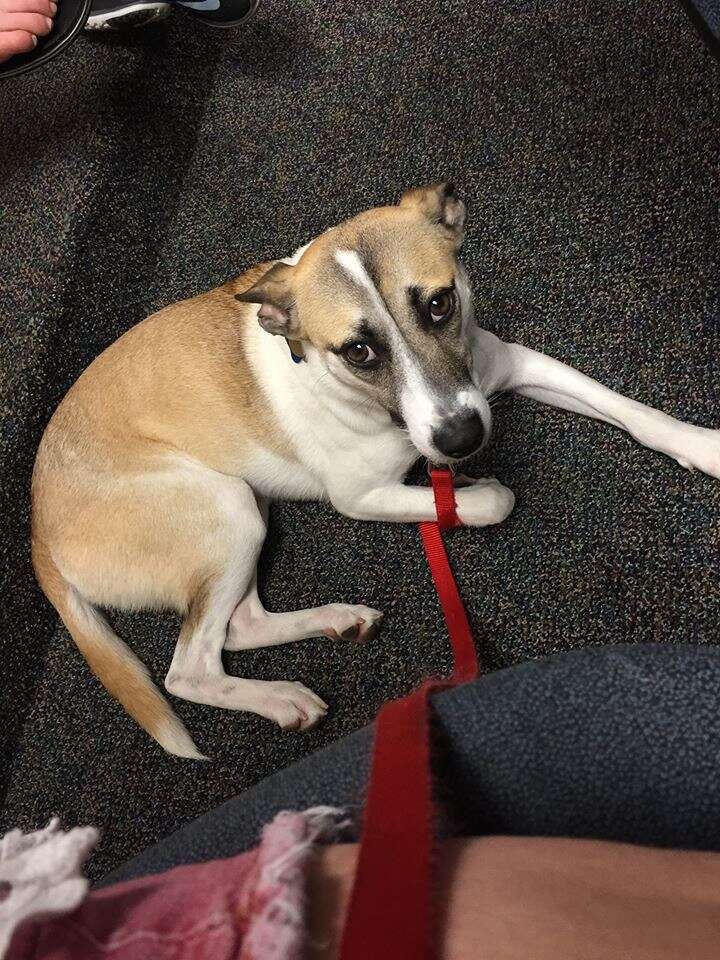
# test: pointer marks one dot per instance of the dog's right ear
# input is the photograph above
(441, 205)
(273, 292)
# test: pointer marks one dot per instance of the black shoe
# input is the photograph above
(220, 13)
(118, 14)
(69, 20)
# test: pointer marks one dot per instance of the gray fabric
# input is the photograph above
(143, 168)
(709, 10)
(617, 744)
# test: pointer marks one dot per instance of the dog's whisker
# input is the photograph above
(498, 399)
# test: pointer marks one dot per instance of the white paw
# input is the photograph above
(484, 502)
(291, 705)
(351, 622)
(702, 452)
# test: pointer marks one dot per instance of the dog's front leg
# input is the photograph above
(483, 503)
(505, 366)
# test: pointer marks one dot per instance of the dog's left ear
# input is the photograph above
(440, 205)
(273, 291)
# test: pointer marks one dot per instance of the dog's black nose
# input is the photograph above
(459, 436)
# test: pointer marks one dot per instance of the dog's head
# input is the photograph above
(384, 304)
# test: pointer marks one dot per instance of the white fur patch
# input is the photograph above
(353, 266)
(418, 401)
(295, 258)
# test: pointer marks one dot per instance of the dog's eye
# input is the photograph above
(360, 354)
(441, 305)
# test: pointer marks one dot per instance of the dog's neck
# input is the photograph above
(321, 415)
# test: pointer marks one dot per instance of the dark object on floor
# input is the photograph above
(220, 13)
(69, 21)
(705, 15)
(139, 172)
(73, 15)
(607, 744)
(124, 14)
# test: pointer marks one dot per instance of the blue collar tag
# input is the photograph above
(297, 357)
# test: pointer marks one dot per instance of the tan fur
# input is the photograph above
(105, 494)
(115, 666)
(246, 280)
(177, 383)
(147, 480)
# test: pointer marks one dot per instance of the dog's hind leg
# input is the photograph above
(252, 626)
(196, 672)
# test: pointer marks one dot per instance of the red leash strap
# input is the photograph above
(391, 912)
(445, 506)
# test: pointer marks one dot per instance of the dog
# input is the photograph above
(322, 376)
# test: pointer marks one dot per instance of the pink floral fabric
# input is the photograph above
(248, 907)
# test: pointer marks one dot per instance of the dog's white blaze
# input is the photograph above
(353, 266)
(418, 401)
(467, 398)
(472, 398)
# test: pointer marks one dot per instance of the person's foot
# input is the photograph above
(118, 14)
(21, 23)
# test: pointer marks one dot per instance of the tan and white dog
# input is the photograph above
(152, 478)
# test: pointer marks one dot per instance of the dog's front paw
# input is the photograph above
(703, 452)
(291, 705)
(351, 622)
(484, 502)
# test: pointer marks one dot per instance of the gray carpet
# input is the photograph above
(138, 171)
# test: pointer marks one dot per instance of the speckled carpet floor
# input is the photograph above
(140, 170)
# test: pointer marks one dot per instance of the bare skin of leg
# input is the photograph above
(511, 898)
(21, 23)
(330, 885)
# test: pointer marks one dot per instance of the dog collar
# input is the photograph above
(297, 351)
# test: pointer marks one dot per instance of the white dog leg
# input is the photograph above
(196, 672)
(484, 502)
(503, 366)
(252, 626)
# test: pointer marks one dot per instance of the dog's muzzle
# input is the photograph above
(460, 435)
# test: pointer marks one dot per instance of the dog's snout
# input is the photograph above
(460, 435)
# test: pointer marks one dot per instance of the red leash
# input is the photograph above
(391, 913)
